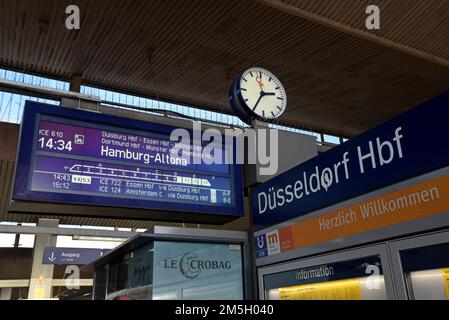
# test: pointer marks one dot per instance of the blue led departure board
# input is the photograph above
(78, 157)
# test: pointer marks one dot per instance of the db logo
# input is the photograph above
(261, 246)
(261, 242)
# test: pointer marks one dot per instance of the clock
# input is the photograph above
(257, 94)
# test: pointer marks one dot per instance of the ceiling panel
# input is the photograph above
(188, 51)
(423, 25)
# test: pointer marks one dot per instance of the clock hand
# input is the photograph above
(258, 101)
(269, 93)
(260, 81)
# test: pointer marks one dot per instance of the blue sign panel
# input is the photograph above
(77, 157)
(71, 256)
(261, 246)
(412, 144)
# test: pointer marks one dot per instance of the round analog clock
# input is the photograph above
(258, 94)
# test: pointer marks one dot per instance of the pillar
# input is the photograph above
(5, 294)
(75, 83)
(42, 275)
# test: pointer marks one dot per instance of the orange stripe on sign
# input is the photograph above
(408, 204)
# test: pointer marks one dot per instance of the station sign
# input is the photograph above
(342, 280)
(71, 256)
(77, 157)
(410, 145)
(418, 201)
(357, 268)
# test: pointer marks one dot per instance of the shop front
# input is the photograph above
(177, 264)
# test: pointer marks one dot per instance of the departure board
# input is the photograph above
(74, 156)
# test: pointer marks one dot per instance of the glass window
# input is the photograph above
(140, 273)
(5, 223)
(118, 277)
(100, 243)
(360, 279)
(426, 272)
(197, 271)
(132, 277)
(11, 106)
(7, 240)
(331, 139)
(26, 241)
(100, 283)
(28, 224)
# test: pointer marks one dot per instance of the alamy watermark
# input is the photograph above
(250, 146)
(73, 19)
(374, 279)
(73, 282)
(373, 20)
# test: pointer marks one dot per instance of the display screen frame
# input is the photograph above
(22, 191)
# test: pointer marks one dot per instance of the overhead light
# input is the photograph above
(100, 239)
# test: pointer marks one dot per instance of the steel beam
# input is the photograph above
(67, 232)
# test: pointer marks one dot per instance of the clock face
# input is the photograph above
(262, 94)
